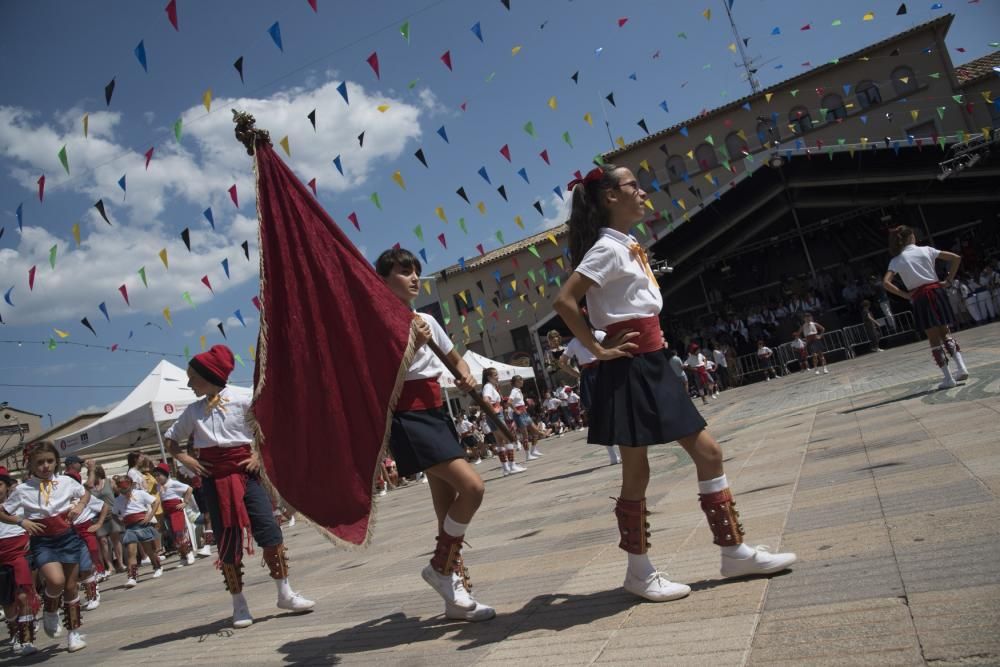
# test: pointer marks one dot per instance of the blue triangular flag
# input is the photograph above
(663, 105)
(140, 54)
(275, 32)
(130, 334)
(847, 89)
(461, 263)
(496, 275)
(486, 177)
(776, 31)
(654, 185)
(477, 31)
(864, 120)
(342, 89)
(524, 174)
(443, 134)
(423, 254)
(104, 309)
(225, 266)
(239, 316)
(121, 184)
(208, 216)
(746, 105)
(336, 163)
(632, 76)
(20, 217)
(558, 192)
(684, 131)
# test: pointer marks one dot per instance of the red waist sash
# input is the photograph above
(172, 505)
(923, 290)
(55, 525)
(173, 511)
(12, 548)
(230, 487)
(422, 394)
(650, 338)
(134, 518)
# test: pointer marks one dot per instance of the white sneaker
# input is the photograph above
(655, 587)
(26, 649)
(50, 623)
(189, 559)
(505, 468)
(91, 605)
(157, 573)
(144, 561)
(449, 587)
(761, 562)
(948, 384)
(532, 457)
(291, 522)
(205, 551)
(241, 612)
(817, 371)
(537, 453)
(477, 461)
(962, 376)
(423, 478)
(295, 602)
(826, 370)
(515, 468)
(75, 641)
(130, 583)
(769, 379)
(478, 613)
(382, 492)
(518, 447)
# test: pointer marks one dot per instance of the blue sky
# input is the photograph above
(60, 56)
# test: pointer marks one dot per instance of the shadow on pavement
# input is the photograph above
(898, 399)
(575, 473)
(222, 628)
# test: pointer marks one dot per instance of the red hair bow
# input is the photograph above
(594, 175)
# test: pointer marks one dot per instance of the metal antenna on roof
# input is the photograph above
(746, 62)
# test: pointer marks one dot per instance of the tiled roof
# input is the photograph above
(977, 69)
(944, 21)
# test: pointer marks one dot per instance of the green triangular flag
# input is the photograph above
(177, 128)
(404, 30)
(545, 275)
(142, 274)
(461, 225)
(419, 233)
(558, 282)
(957, 98)
(375, 201)
(935, 75)
(63, 159)
(642, 229)
(413, 84)
(598, 160)
(567, 139)
(534, 251)
(823, 112)
(794, 92)
(239, 359)
(52, 344)
(52, 256)
(710, 140)
(725, 165)
(500, 237)
(531, 274)
(529, 127)
(841, 142)
(187, 297)
(836, 22)
(940, 111)
(187, 352)
(444, 307)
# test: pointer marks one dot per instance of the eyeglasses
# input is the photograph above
(634, 184)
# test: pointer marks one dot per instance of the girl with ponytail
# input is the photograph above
(915, 266)
(637, 401)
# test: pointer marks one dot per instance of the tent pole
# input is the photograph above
(163, 451)
(447, 402)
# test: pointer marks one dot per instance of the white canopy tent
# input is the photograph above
(477, 364)
(159, 398)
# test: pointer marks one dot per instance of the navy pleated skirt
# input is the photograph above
(421, 439)
(932, 309)
(640, 401)
(588, 376)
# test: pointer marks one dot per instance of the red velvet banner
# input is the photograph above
(332, 355)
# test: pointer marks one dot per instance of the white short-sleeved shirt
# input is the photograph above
(720, 358)
(174, 489)
(516, 398)
(764, 351)
(576, 350)
(695, 360)
(464, 427)
(27, 497)
(798, 343)
(10, 530)
(622, 289)
(225, 425)
(551, 404)
(484, 426)
(138, 479)
(135, 502)
(491, 394)
(572, 398)
(678, 366)
(425, 363)
(915, 265)
(91, 511)
(809, 329)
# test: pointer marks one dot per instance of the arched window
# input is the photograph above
(706, 157)
(904, 80)
(767, 132)
(738, 149)
(676, 169)
(834, 105)
(800, 120)
(647, 181)
(868, 94)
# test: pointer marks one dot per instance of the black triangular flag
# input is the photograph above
(460, 192)
(420, 156)
(239, 67)
(223, 330)
(538, 207)
(246, 249)
(496, 302)
(312, 118)
(610, 97)
(506, 3)
(746, 41)
(642, 124)
(2, 229)
(100, 209)
(894, 52)
(361, 139)
(503, 192)
(479, 284)
(901, 10)
(109, 90)
(663, 149)
(85, 322)
(186, 237)
(576, 77)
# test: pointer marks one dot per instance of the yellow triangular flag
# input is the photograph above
(201, 342)
(60, 333)
(690, 155)
(541, 290)
(649, 204)
(427, 287)
(559, 261)
(768, 96)
(284, 145)
(464, 300)
(382, 108)
(552, 103)
(707, 14)
(166, 316)
(680, 202)
(732, 47)
(904, 79)
(440, 214)
(985, 131)
(482, 207)
(513, 285)
(708, 177)
(253, 352)
(518, 221)
(645, 165)
(590, 119)
(869, 16)
(620, 141)
(163, 258)
(552, 237)
(398, 177)
(76, 233)
(741, 134)
(206, 99)
(516, 50)
(986, 96)
(914, 113)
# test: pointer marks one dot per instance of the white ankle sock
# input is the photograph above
(960, 362)
(713, 485)
(640, 566)
(454, 528)
(738, 551)
(284, 590)
(946, 372)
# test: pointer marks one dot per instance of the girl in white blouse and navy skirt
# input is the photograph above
(50, 503)
(637, 400)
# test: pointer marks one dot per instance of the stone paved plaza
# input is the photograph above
(885, 487)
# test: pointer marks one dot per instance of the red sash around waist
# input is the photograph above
(173, 512)
(55, 525)
(172, 505)
(230, 487)
(650, 338)
(134, 518)
(923, 290)
(422, 394)
(13, 548)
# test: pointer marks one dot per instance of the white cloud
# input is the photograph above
(181, 181)
(558, 211)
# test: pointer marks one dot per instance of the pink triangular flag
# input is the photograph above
(442, 240)
(446, 59)
(204, 279)
(256, 302)
(622, 21)
(41, 187)
(149, 156)
(505, 151)
(124, 291)
(172, 13)
(312, 3)
(232, 194)
(373, 61)
(312, 184)
(31, 278)
(353, 217)
(545, 156)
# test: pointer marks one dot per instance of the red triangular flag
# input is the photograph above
(312, 3)
(172, 13)
(446, 59)
(373, 62)
(41, 187)
(124, 291)
(149, 156)
(442, 240)
(505, 151)
(353, 217)
(204, 280)
(622, 21)
(479, 247)
(114, 347)
(545, 156)
(333, 282)
(513, 260)
(312, 184)
(232, 195)
(256, 303)
(463, 106)
(31, 278)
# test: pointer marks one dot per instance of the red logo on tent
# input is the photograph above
(168, 408)
(62, 444)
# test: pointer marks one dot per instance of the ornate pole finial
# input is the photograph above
(246, 133)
